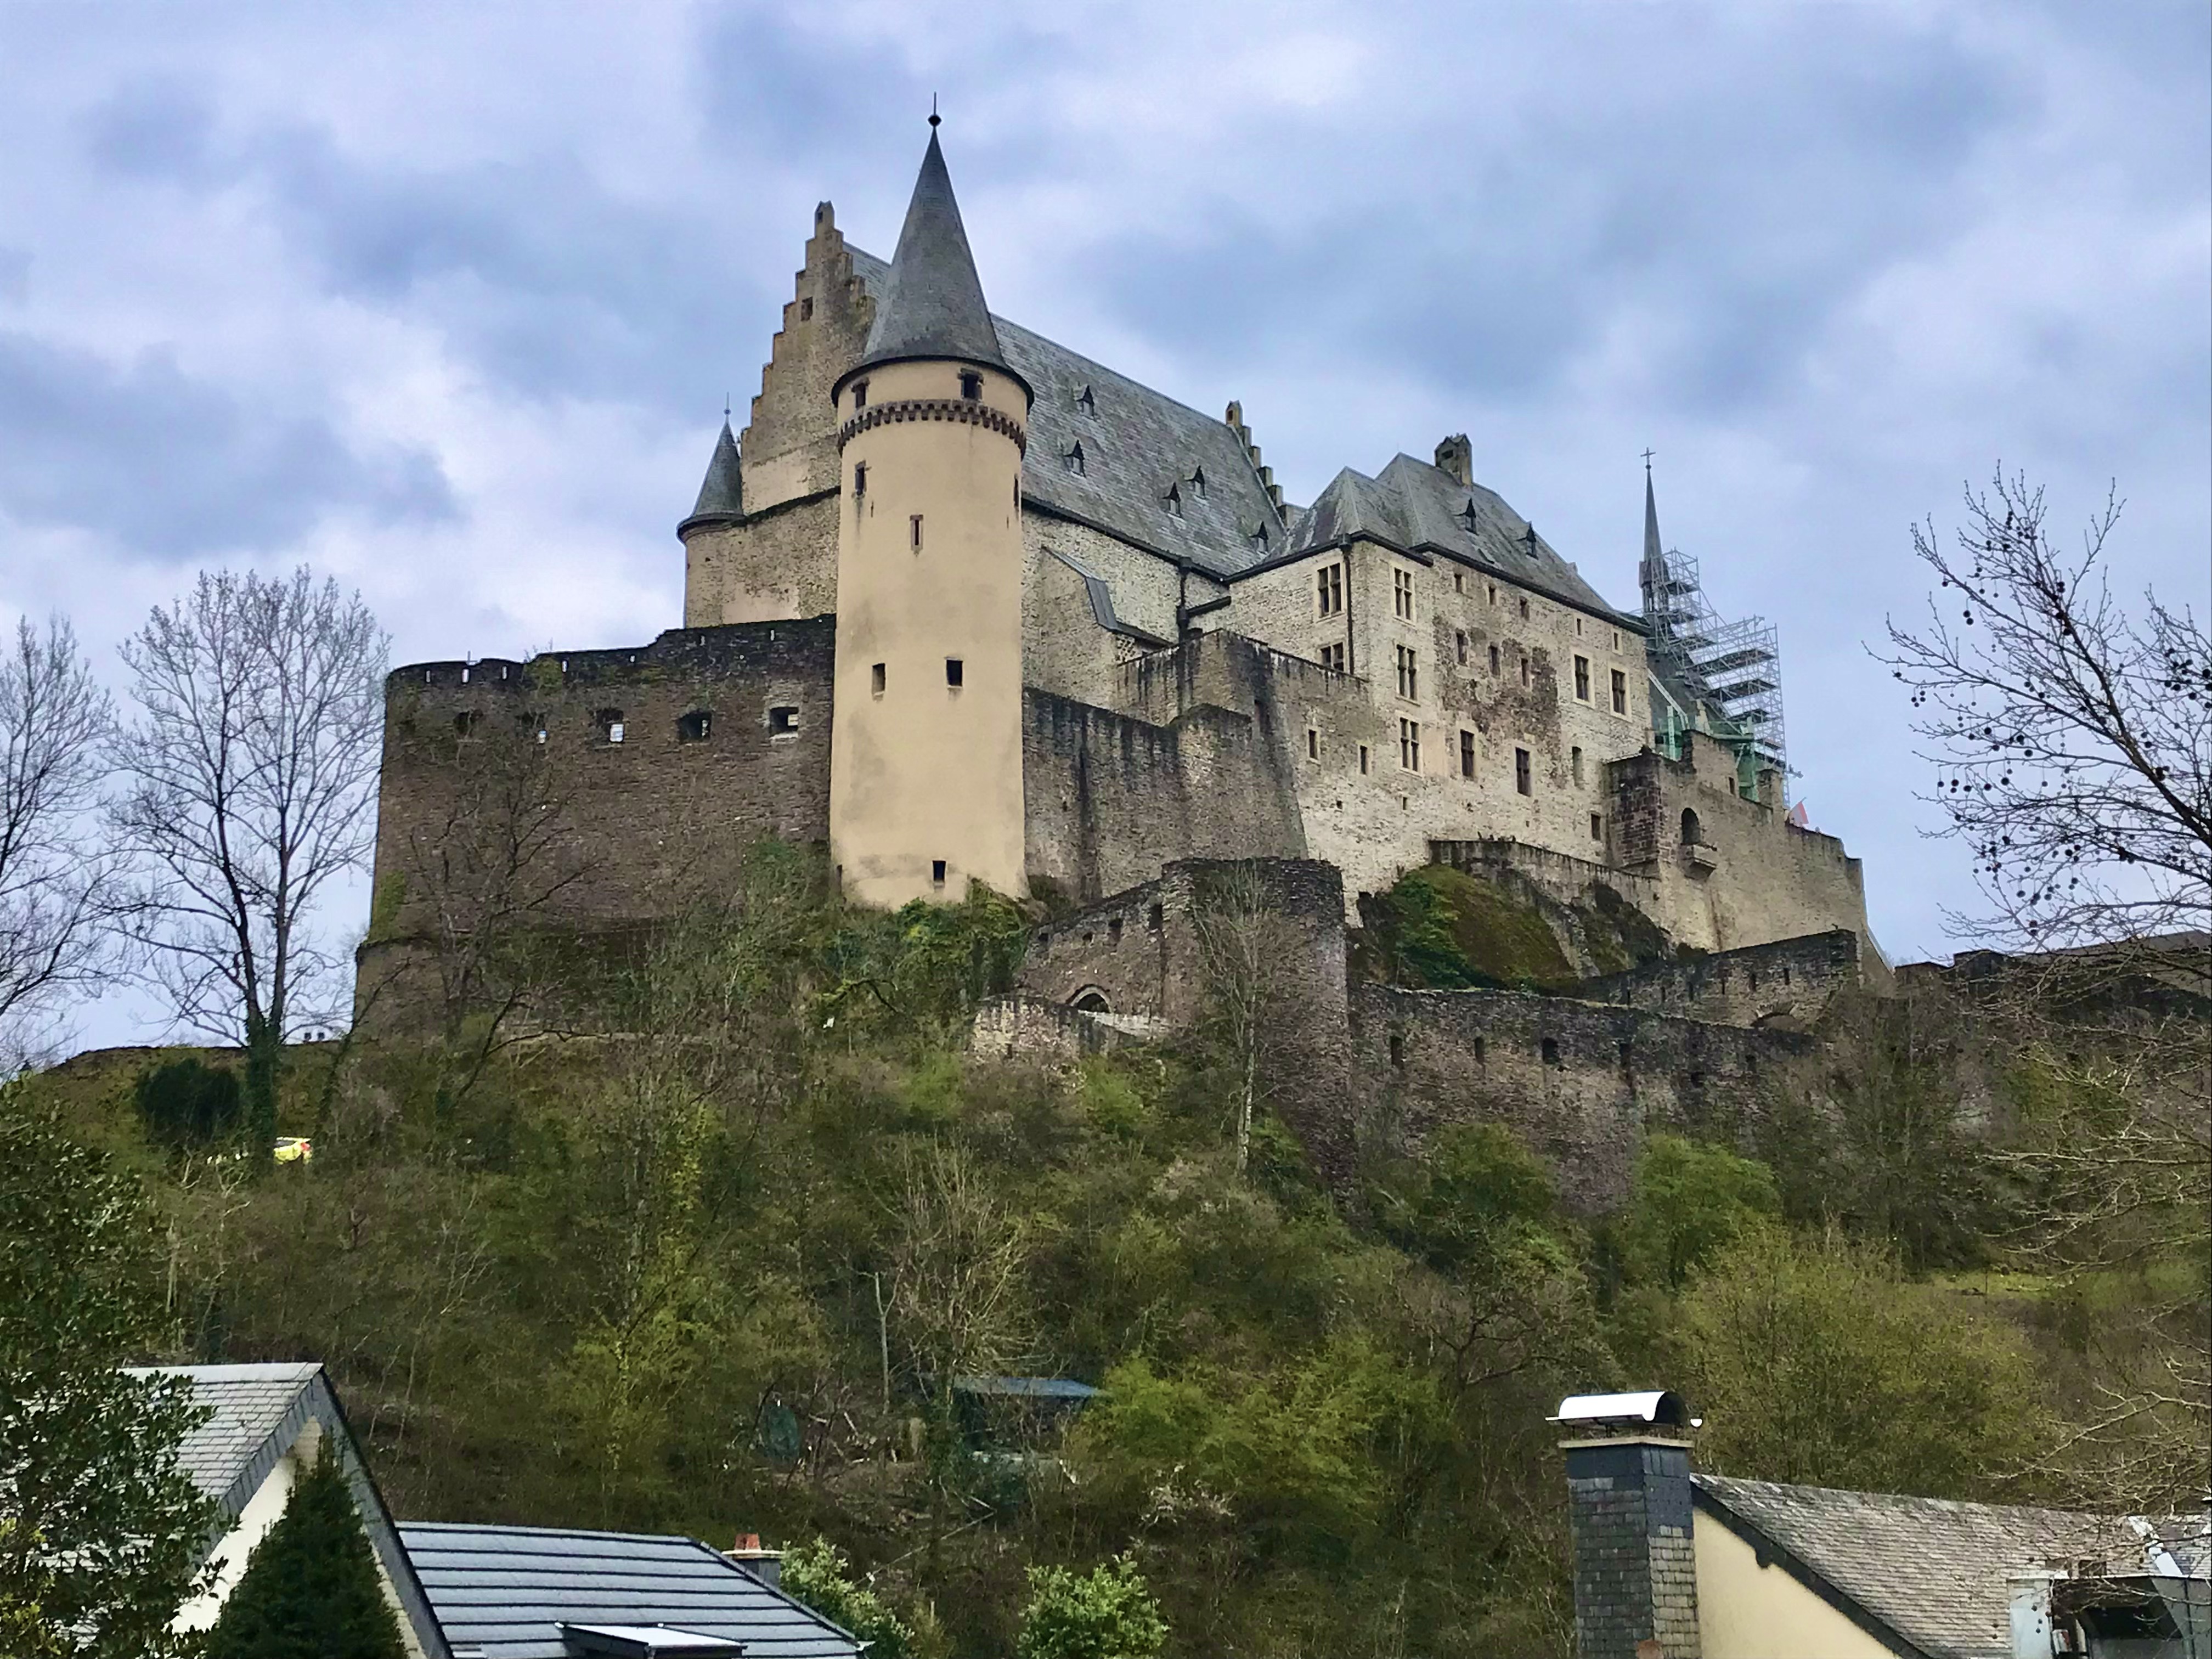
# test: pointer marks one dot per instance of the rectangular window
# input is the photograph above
(1459, 646)
(693, 727)
(1409, 744)
(1524, 665)
(1581, 679)
(1331, 657)
(611, 729)
(1494, 593)
(1467, 754)
(782, 721)
(971, 385)
(1362, 760)
(1494, 662)
(1597, 826)
(1523, 780)
(1402, 592)
(859, 479)
(1524, 610)
(875, 680)
(1578, 628)
(860, 394)
(914, 526)
(1313, 744)
(1409, 675)
(956, 674)
(937, 871)
(1575, 762)
(1459, 581)
(1328, 589)
(1619, 692)
(1616, 639)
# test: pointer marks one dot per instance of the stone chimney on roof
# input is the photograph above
(1630, 1502)
(1456, 455)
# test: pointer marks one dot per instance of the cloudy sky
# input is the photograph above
(444, 299)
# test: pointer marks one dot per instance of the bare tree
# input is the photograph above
(2073, 743)
(2072, 738)
(55, 885)
(1248, 957)
(959, 1261)
(249, 765)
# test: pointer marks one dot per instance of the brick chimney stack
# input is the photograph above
(1456, 455)
(1629, 1494)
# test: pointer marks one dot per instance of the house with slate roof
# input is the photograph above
(266, 1424)
(1670, 1564)
(540, 1593)
(964, 605)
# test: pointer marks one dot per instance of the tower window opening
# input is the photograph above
(1409, 675)
(1693, 833)
(1459, 646)
(1619, 692)
(1154, 917)
(806, 310)
(1481, 1052)
(1466, 753)
(914, 531)
(1397, 1050)
(465, 723)
(1524, 665)
(1581, 679)
(783, 720)
(875, 678)
(1362, 760)
(1073, 459)
(611, 729)
(860, 394)
(1331, 657)
(955, 672)
(1575, 763)
(693, 727)
(1578, 628)
(1313, 744)
(1524, 610)
(1550, 1050)
(1597, 826)
(1459, 581)
(971, 386)
(1616, 639)
(859, 479)
(1494, 665)
(1524, 778)
(1113, 931)
(1493, 592)
(937, 873)
(1409, 744)
(1401, 593)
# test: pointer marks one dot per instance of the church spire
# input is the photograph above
(722, 493)
(1652, 574)
(933, 302)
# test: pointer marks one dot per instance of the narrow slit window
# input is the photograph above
(1524, 665)
(860, 394)
(1114, 932)
(1313, 744)
(1362, 760)
(1524, 610)
(875, 678)
(859, 479)
(971, 386)
(1581, 679)
(1154, 917)
(1619, 692)
(1397, 1050)
(1524, 777)
(806, 310)
(1459, 646)
(1459, 581)
(1481, 1052)
(955, 672)
(1575, 763)
(1597, 826)
(914, 531)
(1494, 666)
(1466, 754)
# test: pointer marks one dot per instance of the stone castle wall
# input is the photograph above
(1582, 1083)
(1790, 980)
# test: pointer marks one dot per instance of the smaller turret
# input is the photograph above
(721, 495)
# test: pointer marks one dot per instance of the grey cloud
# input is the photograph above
(14, 274)
(160, 130)
(177, 468)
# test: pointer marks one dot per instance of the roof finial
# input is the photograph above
(934, 118)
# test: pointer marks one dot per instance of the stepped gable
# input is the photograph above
(1136, 444)
(1417, 508)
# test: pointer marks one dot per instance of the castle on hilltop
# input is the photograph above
(967, 607)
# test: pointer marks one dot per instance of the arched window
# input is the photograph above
(1091, 1001)
(1693, 833)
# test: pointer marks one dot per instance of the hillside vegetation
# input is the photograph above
(719, 1273)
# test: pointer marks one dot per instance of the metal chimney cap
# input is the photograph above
(1654, 1407)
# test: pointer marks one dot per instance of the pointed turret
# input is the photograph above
(932, 301)
(722, 493)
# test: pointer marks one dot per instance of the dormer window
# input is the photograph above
(1174, 499)
(971, 386)
(860, 394)
(1073, 459)
(1198, 480)
(1086, 402)
(1529, 541)
(1259, 540)
(1467, 516)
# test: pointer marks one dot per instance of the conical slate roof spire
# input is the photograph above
(933, 302)
(722, 495)
(1651, 575)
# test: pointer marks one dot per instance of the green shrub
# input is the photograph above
(310, 1586)
(188, 1104)
(1106, 1613)
(817, 1574)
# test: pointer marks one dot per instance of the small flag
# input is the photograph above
(1797, 816)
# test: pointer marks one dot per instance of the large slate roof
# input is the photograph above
(1417, 508)
(505, 1591)
(1928, 1571)
(228, 1455)
(931, 305)
(1137, 443)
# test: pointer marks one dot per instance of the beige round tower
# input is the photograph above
(926, 735)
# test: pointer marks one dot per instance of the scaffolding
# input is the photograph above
(1732, 669)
